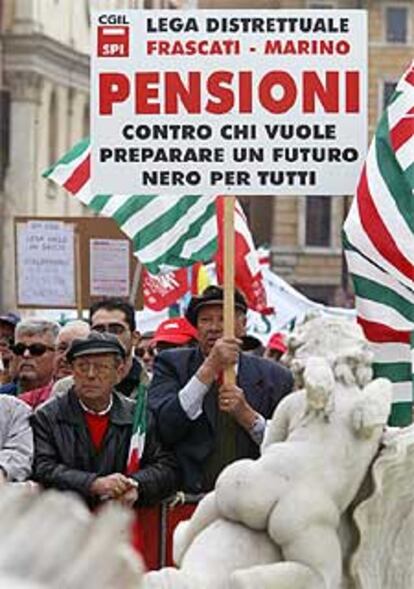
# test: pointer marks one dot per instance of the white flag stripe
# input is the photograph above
(358, 237)
(373, 311)
(391, 352)
(114, 203)
(167, 240)
(85, 194)
(207, 234)
(401, 106)
(405, 154)
(359, 266)
(387, 208)
(151, 211)
(402, 392)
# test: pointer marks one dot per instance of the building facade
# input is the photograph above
(44, 110)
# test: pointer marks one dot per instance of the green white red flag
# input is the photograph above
(139, 432)
(167, 233)
(379, 246)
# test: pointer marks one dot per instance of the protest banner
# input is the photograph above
(269, 102)
(246, 102)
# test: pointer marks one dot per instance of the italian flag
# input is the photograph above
(379, 246)
(167, 232)
(139, 431)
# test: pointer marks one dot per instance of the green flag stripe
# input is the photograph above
(392, 174)
(98, 202)
(203, 255)
(133, 205)
(409, 174)
(173, 254)
(394, 371)
(167, 221)
(401, 414)
(368, 289)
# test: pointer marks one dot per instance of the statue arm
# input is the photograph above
(277, 428)
(373, 409)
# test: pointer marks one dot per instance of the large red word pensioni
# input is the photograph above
(222, 92)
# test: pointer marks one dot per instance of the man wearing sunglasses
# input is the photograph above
(117, 317)
(33, 360)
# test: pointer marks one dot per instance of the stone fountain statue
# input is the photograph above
(284, 520)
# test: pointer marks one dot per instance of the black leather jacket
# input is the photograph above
(66, 459)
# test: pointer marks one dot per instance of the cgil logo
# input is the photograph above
(113, 40)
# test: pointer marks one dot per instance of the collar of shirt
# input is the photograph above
(92, 412)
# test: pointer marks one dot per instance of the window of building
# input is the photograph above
(388, 90)
(318, 221)
(259, 214)
(396, 23)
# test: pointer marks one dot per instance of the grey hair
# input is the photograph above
(76, 324)
(37, 327)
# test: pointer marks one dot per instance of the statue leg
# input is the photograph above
(205, 513)
(317, 547)
(281, 575)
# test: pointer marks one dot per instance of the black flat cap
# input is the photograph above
(212, 295)
(95, 343)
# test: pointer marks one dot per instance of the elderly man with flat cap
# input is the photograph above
(82, 438)
(206, 423)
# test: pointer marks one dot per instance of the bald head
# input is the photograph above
(72, 330)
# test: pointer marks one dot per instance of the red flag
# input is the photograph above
(163, 290)
(248, 274)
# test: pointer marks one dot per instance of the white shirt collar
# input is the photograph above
(92, 412)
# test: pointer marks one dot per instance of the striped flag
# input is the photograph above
(139, 432)
(167, 233)
(379, 246)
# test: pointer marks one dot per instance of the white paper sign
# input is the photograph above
(109, 267)
(229, 101)
(45, 264)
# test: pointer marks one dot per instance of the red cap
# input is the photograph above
(175, 331)
(277, 342)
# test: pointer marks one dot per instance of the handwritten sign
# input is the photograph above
(45, 264)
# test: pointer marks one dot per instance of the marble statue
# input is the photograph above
(50, 540)
(273, 523)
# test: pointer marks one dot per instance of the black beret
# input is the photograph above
(212, 295)
(95, 343)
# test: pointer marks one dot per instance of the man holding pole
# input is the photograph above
(207, 423)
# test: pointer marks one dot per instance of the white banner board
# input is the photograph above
(109, 267)
(228, 101)
(45, 264)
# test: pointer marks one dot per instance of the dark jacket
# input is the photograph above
(264, 384)
(66, 459)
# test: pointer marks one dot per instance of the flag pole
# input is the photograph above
(228, 276)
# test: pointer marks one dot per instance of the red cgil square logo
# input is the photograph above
(113, 41)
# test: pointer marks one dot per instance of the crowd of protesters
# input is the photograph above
(99, 409)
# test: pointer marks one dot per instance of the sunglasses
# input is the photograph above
(34, 349)
(140, 352)
(114, 328)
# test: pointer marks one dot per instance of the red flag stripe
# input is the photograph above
(380, 333)
(376, 230)
(410, 77)
(80, 176)
(402, 132)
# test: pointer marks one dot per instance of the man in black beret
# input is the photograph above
(206, 423)
(82, 438)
